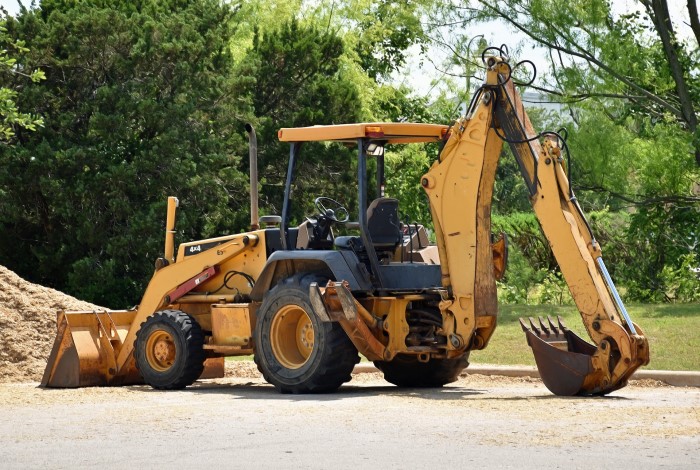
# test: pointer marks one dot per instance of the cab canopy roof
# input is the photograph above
(389, 132)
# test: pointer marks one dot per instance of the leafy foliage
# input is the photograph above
(683, 283)
(300, 82)
(386, 32)
(140, 102)
(11, 118)
(143, 99)
(629, 100)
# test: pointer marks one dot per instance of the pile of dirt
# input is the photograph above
(242, 369)
(28, 325)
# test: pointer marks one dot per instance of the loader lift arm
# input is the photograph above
(97, 348)
(459, 186)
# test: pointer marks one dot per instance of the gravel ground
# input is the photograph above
(240, 421)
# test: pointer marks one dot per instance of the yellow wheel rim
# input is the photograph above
(160, 350)
(292, 336)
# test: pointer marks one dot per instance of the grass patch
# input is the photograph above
(673, 332)
(240, 358)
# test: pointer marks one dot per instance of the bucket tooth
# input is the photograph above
(534, 326)
(558, 327)
(560, 320)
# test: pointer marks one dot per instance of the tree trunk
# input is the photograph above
(664, 28)
(695, 26)
(694, 19)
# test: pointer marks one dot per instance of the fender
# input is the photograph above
(338, 265)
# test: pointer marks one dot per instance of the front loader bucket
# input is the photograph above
(83, 352)
(563, 359)
(86, 348)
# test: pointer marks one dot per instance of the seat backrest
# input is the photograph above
(383, 223)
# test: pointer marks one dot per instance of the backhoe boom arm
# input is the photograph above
(460, 186)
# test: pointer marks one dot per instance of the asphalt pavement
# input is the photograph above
(670, 377)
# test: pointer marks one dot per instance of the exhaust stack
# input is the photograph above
(253, 155)
(170, 229)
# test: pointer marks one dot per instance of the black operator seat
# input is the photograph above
(383, 225)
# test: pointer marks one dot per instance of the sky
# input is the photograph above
(11, 6)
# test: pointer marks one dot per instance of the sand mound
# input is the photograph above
(245, 369)
(28, 325)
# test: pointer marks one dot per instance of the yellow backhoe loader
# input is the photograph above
(305, 302)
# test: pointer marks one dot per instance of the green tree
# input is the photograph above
(12, 118)
(627, 83)
(375, 39)
(637, 57)
(140, 102)
(385, 32)
(300, 81)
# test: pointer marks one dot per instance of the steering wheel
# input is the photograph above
(332, 209)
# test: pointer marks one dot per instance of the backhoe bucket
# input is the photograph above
(85, 349)
(563, 359)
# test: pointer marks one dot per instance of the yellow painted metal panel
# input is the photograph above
(394, 132)
(231, 325)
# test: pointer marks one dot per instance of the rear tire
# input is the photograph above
(407, 371)
(169, 350)
(295, 351)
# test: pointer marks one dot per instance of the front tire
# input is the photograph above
(295, 351)
(169, 350)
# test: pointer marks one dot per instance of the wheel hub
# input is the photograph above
(292, 336)
(160, 350)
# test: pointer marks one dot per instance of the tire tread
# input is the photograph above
(339, 356)
(406, 371)
(194, 356)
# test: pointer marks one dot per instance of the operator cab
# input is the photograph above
(377, 237)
